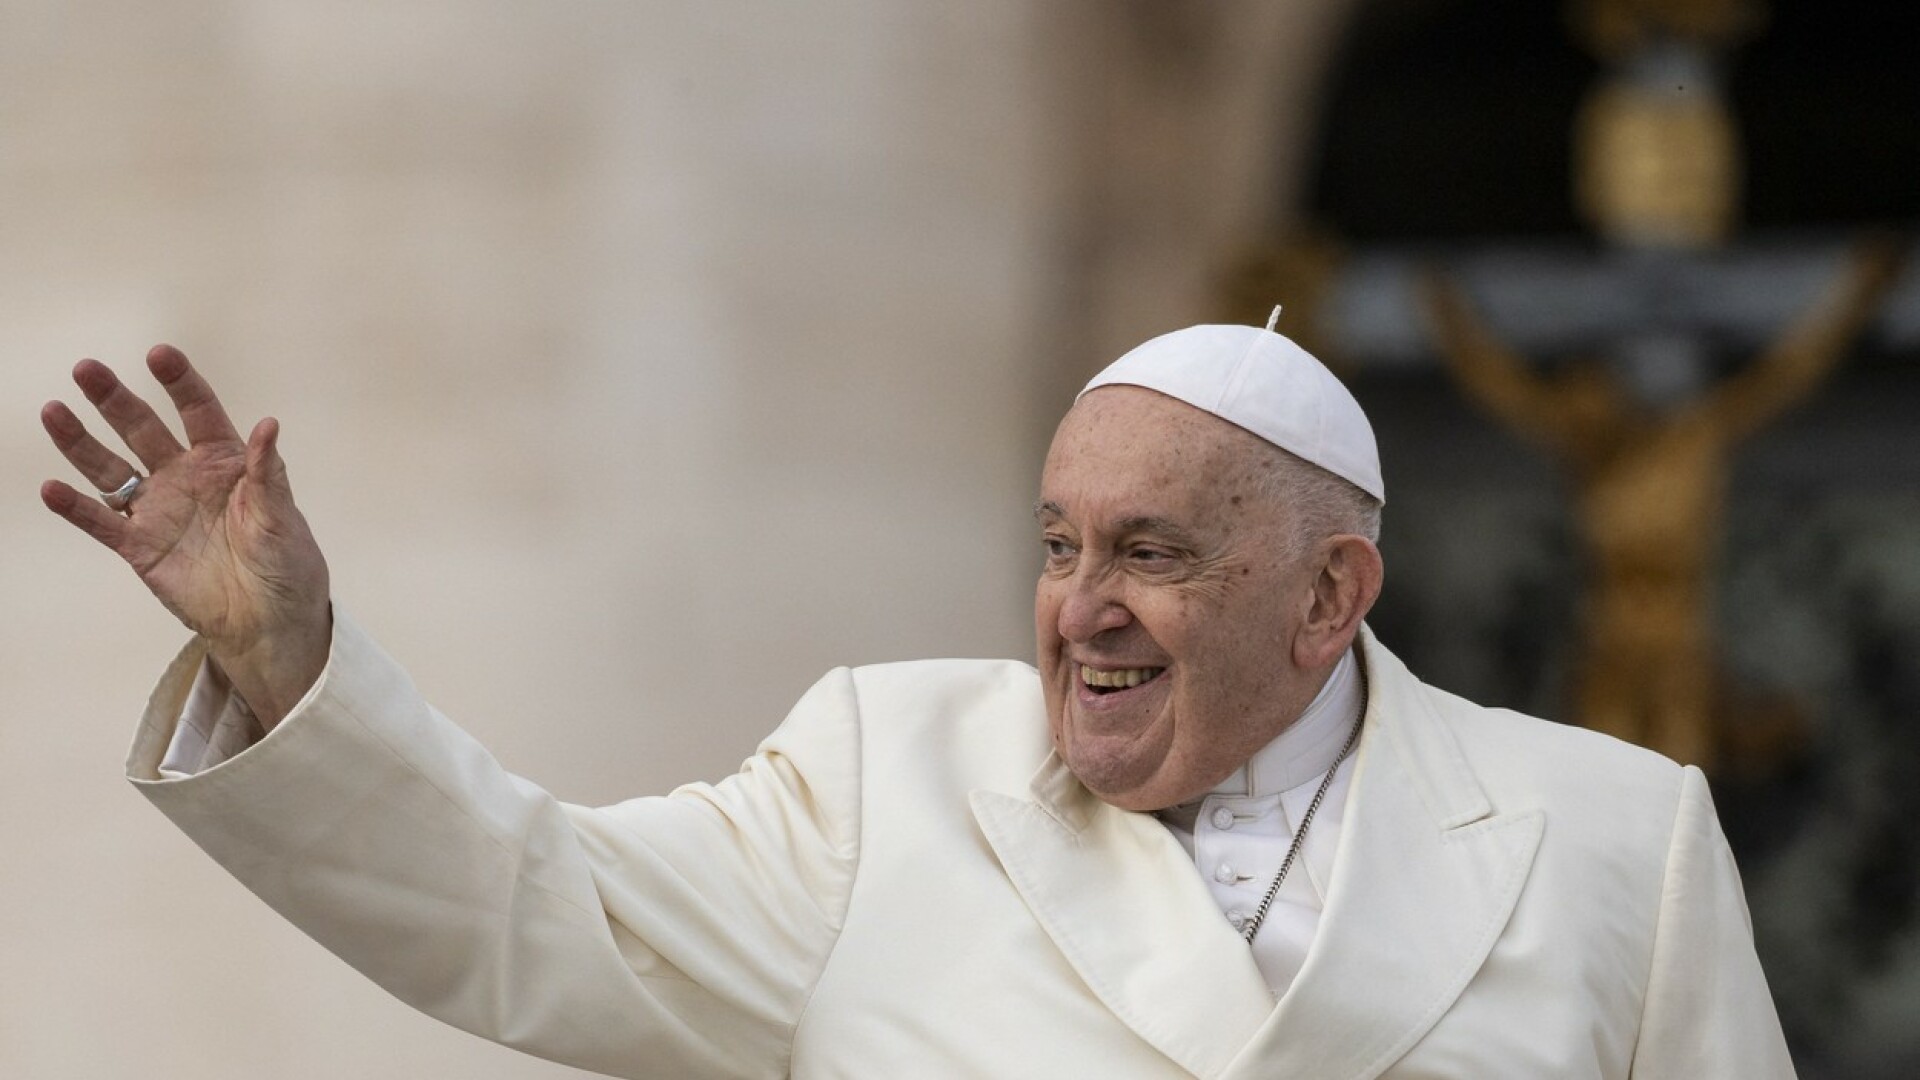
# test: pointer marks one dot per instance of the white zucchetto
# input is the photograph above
(1263, 382)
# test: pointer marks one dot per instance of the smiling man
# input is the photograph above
(1187, 612)
(1224, 832)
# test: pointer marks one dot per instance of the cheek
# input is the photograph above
(1046, 600)
(1051, 693)
(1046, 625)
(1184, 622)
(1231, 649)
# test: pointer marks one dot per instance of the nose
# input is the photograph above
(1090, 607)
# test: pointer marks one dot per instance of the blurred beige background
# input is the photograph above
(637, 362)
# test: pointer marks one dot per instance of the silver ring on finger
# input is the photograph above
(121, 498)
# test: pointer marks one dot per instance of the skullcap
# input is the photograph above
(1260, 381)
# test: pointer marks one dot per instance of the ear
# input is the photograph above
(1348, 583)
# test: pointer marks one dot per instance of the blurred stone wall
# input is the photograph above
(637, 363)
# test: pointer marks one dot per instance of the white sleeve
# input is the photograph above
(673, 936)
(1707, 1011)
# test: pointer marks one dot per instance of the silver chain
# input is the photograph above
(1306, 819)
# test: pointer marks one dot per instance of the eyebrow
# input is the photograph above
(1157, 526)
(1139, 523)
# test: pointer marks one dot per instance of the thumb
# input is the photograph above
(266, 469)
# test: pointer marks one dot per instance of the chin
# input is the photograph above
(1134, 801)
(1115, 784)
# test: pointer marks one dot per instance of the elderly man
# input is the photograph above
(1223, 832)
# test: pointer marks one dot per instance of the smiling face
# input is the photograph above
(1169, 609)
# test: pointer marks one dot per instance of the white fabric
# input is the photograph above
(1235, 856)
(1239, 834)
(904, 881)
(215, 725)
(1264, 383)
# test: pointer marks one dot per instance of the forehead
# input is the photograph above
(1126, 449)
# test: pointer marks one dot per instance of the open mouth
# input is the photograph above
(1118, 679)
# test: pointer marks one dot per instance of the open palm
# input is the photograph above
(212, 530)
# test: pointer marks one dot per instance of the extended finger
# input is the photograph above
(266, 469)
(141, 428)
(87, 514)
(102, 467)
(201, 413)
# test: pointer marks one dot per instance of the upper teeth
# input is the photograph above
(1122, 677)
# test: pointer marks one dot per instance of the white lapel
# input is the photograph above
(1120, 898)
(1425, 879)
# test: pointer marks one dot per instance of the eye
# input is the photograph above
(1057, 547)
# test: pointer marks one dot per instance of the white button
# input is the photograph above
(1222, 818)
(1238, 918)
(1224, 874)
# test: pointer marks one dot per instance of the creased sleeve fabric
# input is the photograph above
(1707, 1010)
(213, 725)
(675, 936)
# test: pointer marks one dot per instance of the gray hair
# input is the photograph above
(1319, 504)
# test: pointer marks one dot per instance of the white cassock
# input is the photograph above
(1238, 834)
(906, 881)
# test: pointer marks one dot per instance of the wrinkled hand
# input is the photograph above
(212, 530)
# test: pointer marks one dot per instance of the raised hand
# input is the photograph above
(212, 529)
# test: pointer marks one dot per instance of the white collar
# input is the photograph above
(1310, 745)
